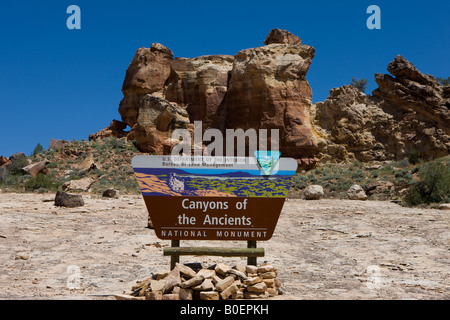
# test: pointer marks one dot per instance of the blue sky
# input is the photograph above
(65, 84)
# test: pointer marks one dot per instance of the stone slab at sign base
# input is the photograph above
(213, 198)
(217, 282)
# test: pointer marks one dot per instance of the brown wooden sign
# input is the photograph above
(213, 198)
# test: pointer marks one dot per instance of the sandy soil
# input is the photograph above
(326, 249)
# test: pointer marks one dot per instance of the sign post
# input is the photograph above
(213, 198)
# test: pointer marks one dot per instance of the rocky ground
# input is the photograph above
(325, 249)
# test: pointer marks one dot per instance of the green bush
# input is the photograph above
(433, 187)
(360, 84)
(2, 174)
(414, 157)
(38, 149)
(443, 81)
(41, 181)
(15, 168)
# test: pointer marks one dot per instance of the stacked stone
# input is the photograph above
(219, 282)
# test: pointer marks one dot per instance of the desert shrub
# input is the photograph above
(38, 149)
(360, 84)
(299, 182)
(52, 165)
(358, 175)
(414, 157)
(433, 187)
(15, 168)
(13, 182)
(443, 81)
(2, 174)
(78, 174)
(41, 181)
(402, 163)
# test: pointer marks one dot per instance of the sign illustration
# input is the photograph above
(214, 198)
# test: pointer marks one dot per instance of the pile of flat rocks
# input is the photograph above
(218, 282)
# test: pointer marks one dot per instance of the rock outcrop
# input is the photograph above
(407, 113)
(266, 88)
(116, 129)
(147, 73)
(258, 88)
(156, 121)
(199, 84)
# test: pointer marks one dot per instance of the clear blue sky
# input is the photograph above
(65, 84)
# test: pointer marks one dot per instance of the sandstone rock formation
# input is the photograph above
(200, 85)
(116, 129)
(266, 88)
(146, 74)
(3, 161)
(156, 121)
(56, 144)
(407, 113)
(258, 88)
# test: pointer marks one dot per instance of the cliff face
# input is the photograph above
(266, 88)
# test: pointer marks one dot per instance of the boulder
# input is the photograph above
(3, 160)
(63, 199)
(314, 192)
(35, 168)
(356, 192)
(110, 193)
(78, 185)
(86, 164)
(56, 144)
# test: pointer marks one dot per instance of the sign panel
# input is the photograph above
(213, 198)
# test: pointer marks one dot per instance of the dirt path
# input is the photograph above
(326, 249)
